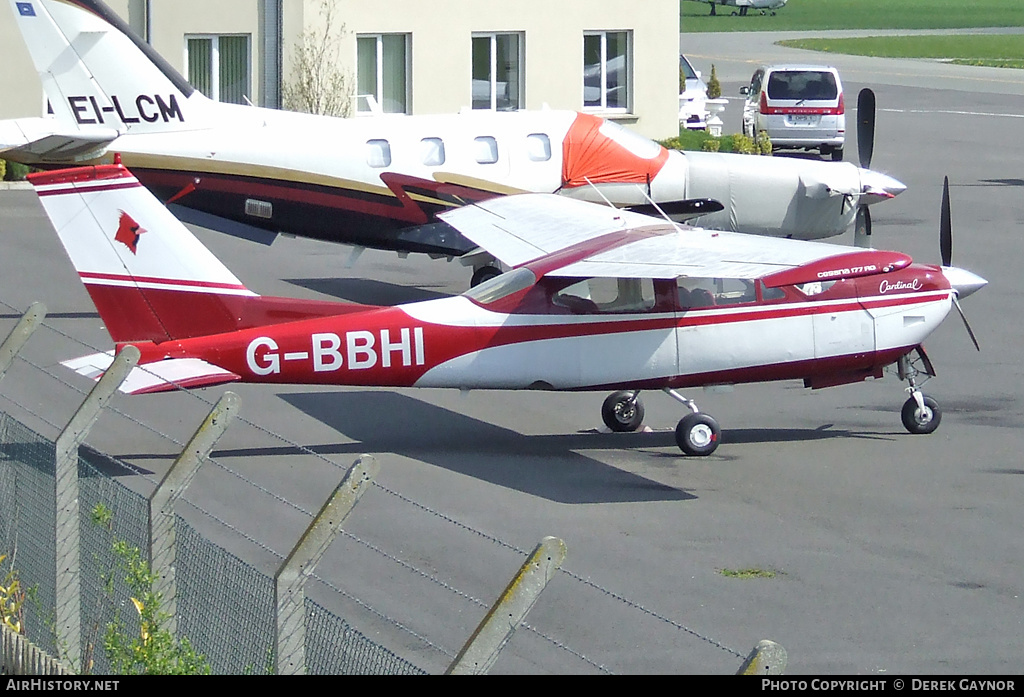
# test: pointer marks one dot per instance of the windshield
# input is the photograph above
(688, 71)
(501, 286)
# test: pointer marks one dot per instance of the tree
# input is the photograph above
(318, 85)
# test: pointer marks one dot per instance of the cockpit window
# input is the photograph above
(630, 140)
(502, 286)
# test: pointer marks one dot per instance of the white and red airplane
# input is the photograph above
(380, 181)
(597, 299)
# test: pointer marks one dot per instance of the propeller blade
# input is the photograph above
(959, 309)
(862, 227)
(865, 126)
(945, 227)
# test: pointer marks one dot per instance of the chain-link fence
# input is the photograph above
(225, 606)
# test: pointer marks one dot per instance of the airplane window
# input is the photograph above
(598, 295)
(502, 286)
(815, 287)
(486, 150)
(705, 292)
(538, 147)
(432, 152)
(771, 293)
(631, 140)
(378, 153)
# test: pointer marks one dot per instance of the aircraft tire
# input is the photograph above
(698, 434)
(918, 422)
(484, 273)
(621, 412)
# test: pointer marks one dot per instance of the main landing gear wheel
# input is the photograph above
(484, 273)
(921, 420)
(698, 434)
(623, 411)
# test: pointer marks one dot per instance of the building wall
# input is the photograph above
(440, 46)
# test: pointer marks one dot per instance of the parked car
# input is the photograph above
(692, 100)
(799, 106)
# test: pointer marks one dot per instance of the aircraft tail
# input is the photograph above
(149, 277)
(98, 74)
(151, 280)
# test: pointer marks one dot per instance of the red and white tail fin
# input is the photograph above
(149, 277)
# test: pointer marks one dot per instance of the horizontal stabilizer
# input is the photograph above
(162, 376)
(41, 140)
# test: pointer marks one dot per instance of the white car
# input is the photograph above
(693, 100)
(799, 106)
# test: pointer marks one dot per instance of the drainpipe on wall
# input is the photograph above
(270, 48)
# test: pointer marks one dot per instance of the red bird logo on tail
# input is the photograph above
(128, 232)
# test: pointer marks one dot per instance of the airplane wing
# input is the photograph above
(526, 228)
(161, 376)
(39, 140)
(519, 229)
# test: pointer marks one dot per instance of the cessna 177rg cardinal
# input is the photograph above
(597, 299)
(381, 181)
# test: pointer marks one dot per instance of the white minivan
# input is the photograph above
(799, 106)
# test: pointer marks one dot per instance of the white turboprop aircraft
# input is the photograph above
(380, 181)
(742, 6)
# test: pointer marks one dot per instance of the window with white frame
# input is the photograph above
(219, 66)
(382, 73)
(606, 70)
(497, 71)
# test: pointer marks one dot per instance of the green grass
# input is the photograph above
(747, 573)
(804, 15)
(1002, 51)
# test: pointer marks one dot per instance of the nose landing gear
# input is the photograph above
(921, 413)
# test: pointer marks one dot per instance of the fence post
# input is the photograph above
(291, 578)
(767, 658)
(508, 612)
(28, 323)
(162, 542)
(69, 600)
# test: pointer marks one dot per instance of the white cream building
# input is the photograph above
(615, 58)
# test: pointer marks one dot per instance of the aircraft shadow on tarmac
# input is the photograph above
(547, 466)
(544, 466)
(367, 291)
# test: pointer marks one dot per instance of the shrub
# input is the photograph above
(764, 143)
(3, 169)
(711, 145)
(743, 144)
(16, 171)
(714, 86)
